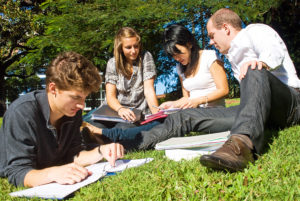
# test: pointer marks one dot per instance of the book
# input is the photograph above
(193, 141)
(59, 191)
(105, 113)
(161, 116)
(163, 113)
(190, 153)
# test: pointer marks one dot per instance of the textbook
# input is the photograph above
(198, 141)
(105, 113)
(59, 191)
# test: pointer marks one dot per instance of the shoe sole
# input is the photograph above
(216, 163)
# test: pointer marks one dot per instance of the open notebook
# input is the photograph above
(59, 191)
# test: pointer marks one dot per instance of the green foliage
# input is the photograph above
(90, 28)
(34, 36)
(274, 176)
(17, 26)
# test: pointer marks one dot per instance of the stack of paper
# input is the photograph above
(190, 147)
(59, 191)
(193, 141)
(188, 154)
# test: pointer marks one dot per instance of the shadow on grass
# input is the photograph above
(270, 135)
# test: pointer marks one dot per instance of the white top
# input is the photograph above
(262, 43)
(202, 83)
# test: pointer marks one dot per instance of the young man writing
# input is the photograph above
(40, 136)
(270, 95)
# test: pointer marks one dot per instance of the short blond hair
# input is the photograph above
(70, 70)
(225, 15)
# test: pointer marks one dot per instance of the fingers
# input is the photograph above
(72, 173)
(112, 152)
(244, 70)
(260, 65)
(253, 64)
(166, 105)
(78, 173)
(120, 151)
(127, 114)
(112, 156)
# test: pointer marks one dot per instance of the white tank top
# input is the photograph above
(202, 83)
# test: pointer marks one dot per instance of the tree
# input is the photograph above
(89, 28)
(15, 30)
(34, 32)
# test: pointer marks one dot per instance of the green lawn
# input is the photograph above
(274, 176)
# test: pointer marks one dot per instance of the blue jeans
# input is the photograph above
(265, 102)
(117, 134)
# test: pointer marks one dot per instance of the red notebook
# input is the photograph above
(154, 118)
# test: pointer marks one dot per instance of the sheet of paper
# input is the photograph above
(59, 191)
(188, 154)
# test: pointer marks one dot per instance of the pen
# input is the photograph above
(157, 107)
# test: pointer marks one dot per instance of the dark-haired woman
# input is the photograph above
(201, 73)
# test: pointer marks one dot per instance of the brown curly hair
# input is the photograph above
(70, 70)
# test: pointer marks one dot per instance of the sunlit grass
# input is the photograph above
(274, 176)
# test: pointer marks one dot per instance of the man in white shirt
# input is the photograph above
(268, 82)
(270, 96)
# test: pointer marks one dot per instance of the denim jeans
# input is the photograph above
(265, 102)
(117, 134)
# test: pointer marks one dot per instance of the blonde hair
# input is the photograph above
(70, 70)
(225, 15)
(122, 65)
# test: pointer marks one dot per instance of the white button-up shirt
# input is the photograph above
(262, 43)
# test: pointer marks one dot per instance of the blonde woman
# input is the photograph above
(129, 80)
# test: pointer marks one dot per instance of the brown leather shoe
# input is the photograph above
(233, 156)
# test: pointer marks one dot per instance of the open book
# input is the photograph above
(105, 113)
(59, 191)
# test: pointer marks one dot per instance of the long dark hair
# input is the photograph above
(178, 34)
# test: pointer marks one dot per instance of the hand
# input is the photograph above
(253, 64)
(68, 174)
(183, 103)
(112, 152)
(126, 114)
(167, 105)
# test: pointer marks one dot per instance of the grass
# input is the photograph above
(274, 176)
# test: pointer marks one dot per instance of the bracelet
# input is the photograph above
(120, 108)
(206, 101)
